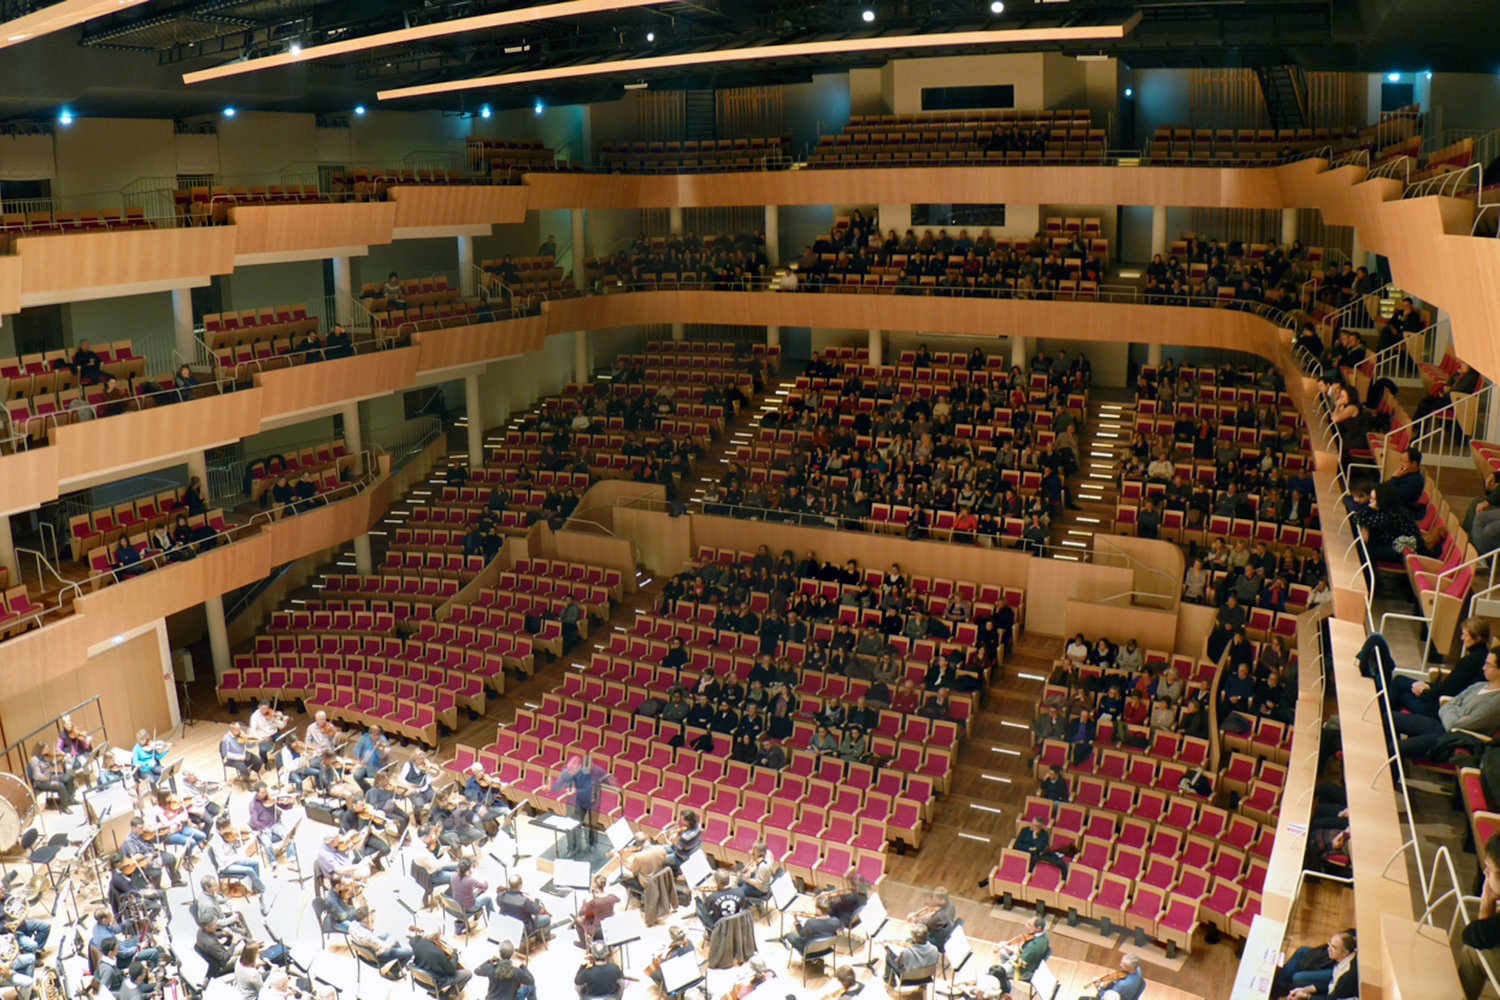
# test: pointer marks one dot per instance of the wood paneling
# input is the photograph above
(750, 112)
(327, 383)
(600, 550)
(129, 439)
(51, 264)
(320, 529)
(1151, 628)
(131, 680)
(478, 344)
(10, 284)
(1051, 583)
(1194, 622)
(663, 544)
(283, 228)
(458, 205)
(27, 479)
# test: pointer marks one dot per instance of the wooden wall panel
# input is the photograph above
(458, 205)
(133, 691)
(1052, 583)
(480, 343)
(1151, 628)
(326, 383)
(599, 500)
(319, 529)
(663, 544)
(97, 446)
(51, 264)
(601, 550)
(27, 479)
(284, 228)
(10, 284)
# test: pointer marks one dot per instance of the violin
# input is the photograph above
(328, 728)
(1108, 979)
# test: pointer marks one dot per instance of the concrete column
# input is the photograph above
(474, 418)
(342, 288)
(1356, 252)
(876, 345)
(354, 441)
(1288, 225)
(364, 563)
(1153, 354)
(581, 370)
(679, 331)
(1018, 352)
(8, 548)
(674, 220)
(218, 635)
(182, 324)
(773, 339)
(580, 249)
(198, 467)
(466, 266)
(1159, 241)
(773, 235)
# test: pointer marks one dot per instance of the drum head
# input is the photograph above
(16, 805)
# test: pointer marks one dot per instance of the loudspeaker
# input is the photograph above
(182, 666)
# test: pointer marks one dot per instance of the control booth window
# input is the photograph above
(958, 215)
(999, 95)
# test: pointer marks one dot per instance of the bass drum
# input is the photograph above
(17, 804)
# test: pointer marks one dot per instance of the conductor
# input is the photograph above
(586, 779)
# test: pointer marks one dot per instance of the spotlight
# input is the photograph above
(536, 108)
(868, 15)
(484, 112)
(650, 36)
(1429, 74)
(1393, 77)
(1129, 92)
(229, 112)
(66, 118)
(359, 109)
(997, 7)
(295, 48)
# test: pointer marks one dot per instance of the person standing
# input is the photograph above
(586, 780)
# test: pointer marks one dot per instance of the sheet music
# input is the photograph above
(568, 873)
(562, 824)
(872, 915)
(618, 834)
(623, 928)
(957, 947)
(695, 868)
(680, 972)
(1044, 984)
(783, 891)
(503, 928)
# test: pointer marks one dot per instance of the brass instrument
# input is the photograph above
(10, 948)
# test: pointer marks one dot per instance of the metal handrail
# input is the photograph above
(1137, 564)
(1387, 362)
(1337, 319)
(1396, 168)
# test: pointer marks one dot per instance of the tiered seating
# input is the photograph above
(35, 415)
(38, 374)
(505, 160)
(60, 222)
(103, 527)
(137, 534)
(757, 153)
(204, 205)
(523, 276)
(441, 525)
(959, 138)
(1203, 147)
(280, 326)
(1454, 156)
(419, 589)
(18, 612)
(313, 460)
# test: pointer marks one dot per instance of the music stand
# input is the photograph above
(957, 951)
(569, 875)
(622, 929)
(682, 973)
(559, 825)
(504, 928)
(872, 912)
(1044, 984)
(783, 894)
(618, 834)
(695, 868)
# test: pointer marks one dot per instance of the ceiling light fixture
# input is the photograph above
(484, 112)
(402, 36)
(650, 36)
(229, 112)
(536, 108)
(868, 16)
(66, 118)
(1393, 77)
(999, 36)
(359, 109)
(637, 86)
(1129, 92)
(997, 7)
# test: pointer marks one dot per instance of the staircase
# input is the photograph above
(1284, 89)
(700, 116)
(1103, 437)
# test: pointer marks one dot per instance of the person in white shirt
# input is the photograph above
(1078, 649)
(389, 950)
(423, 853)
(265, 723)
(318, 738)
(235, 858)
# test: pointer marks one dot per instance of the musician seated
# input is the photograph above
(460, 824)
(174, 822)
(754, 878)
(1020, 957)
(512, 902)
(31, 934)
(15, 974)
(265, 724)
(321, 734)
(415, 778)
(686, 840)
(424, 853)
(918, 954)
(1124, 984)
(146, 756)
(390, 954)
(128, 945)
(440, 961)
(108, 968)
(266, 823)
(599, 907)
(484, 792)
(334, 858)
(372, 752)
(213, 944)
(938, 917)
(137, 984)
(140, 843)
(235, 755)
(643, 861)
(821, 925)
(847, 904)
(233, 853)
(722, 900)
(302, 764)
(599, 978)
(340, 903)
(677, 945)
(213, 906)
(508, 981)
(49, 775)
(123, 888)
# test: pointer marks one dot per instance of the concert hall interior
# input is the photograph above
(690, 498)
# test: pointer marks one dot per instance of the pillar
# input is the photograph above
(580, 250)
(1356, 252)
(197, 467)
(875, 348)
(218, 635)
(679, 330)
(364, 563)
(8, 547)
(581, 370)
(1018, 352)
(674, 220)
(475, 421)
(182, 324)
(1288, 225)
(466, 266)
(354, 441)
(1153, 355)
(773, 235)
(773, 339)
(341, 289)
(1159, 242)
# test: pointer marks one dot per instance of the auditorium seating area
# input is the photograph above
(30, 418)
(963, 138)
(505, 161)
(698, 156)
(261, 473)
(279, 326)
(18, 612)
(209, 205)
(205, 531)
(1204, 147)
(60, 222)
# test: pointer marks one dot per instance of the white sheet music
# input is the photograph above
(872, 915)
(957, 947)
(1044, 982)
(503, 928)
(623, 928)
(618, 834)
(695, 867)
(562, 824)
(568, 873)
(783, 891)
(679, 972)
